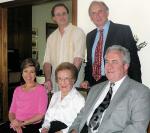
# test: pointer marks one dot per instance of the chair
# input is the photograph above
(83, 91)
(148, 129)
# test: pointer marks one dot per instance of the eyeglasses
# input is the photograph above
(61, 14)
(67, 79)
(97, 13)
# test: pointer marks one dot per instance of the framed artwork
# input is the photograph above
(34, 37)
(35, 54)
(50, 27)
(34, 42)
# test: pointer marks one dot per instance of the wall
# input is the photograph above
(40, 15)
(132, 12)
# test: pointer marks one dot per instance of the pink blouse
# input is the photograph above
(28, 104)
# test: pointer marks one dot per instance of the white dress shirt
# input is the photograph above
(64, 110)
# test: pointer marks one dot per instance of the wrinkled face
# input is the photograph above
(60, 16)
(65, 81)
(115, 68)
(29, 74)
(98, 14)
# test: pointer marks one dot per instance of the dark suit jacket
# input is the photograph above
(128, 111)
(117, 35)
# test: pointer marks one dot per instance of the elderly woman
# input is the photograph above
(29, 102)
(66, 103)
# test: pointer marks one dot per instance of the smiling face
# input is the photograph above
(98, 14)
(60, 16)
(115, 68)
(65, 81)
(29, 74)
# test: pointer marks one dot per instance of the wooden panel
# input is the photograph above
(25, 2)
(74, 12)
(20, 30)
(3, 60)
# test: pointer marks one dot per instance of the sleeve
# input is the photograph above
(88, 67)
(79, 43)
(76, 124)
(13, 106)
(47, 56)
(48, 115)
(43, 100)
(78, 105)
(135, 66)
(140, 114)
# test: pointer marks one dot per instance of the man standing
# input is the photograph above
(106, 34)
(65, 44)
(119, 105)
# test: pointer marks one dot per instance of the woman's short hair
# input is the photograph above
(67, 66)
(30, 62)
(125, 52)
(58, 5)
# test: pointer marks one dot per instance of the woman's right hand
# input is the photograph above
(44, 130)
(16, 126)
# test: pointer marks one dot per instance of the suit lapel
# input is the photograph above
(92, 100)
(91, 43)
(96, 95)
(110, 36)
(122, 90)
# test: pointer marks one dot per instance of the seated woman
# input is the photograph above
(29, 102)
(66, 103)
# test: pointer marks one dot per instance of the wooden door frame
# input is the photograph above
(3, 61)
(3, 54)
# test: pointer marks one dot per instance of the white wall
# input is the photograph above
(131, 12)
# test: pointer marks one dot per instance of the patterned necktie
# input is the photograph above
(96, 117)
(96, 73)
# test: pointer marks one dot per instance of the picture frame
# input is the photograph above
(35, 54)
(34, 37)
(34, 42)
(50, 27)
(34, 32)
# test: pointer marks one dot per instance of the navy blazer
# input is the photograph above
(118, 34)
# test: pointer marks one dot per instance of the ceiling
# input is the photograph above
(24, 2)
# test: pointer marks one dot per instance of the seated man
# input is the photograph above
(119, 105)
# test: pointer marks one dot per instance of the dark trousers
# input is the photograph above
(84, 129)
(32, 128)
(56, 126)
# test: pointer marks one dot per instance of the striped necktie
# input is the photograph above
(96, 68)
(96, 117)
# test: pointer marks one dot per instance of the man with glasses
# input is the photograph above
(66, 43)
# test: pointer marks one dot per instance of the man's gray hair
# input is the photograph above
(125, 52)
(99, 3)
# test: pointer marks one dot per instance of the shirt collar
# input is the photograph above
(105, 26)
(71, 93)
(117, 84)
(67, 27)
